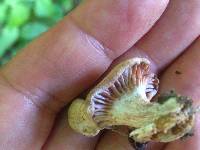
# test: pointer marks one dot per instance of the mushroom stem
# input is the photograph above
(80, 119)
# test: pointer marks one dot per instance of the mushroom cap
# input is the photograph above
(127, 83)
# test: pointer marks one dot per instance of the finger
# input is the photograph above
(65, 61)
(186, 82)
(185, 71)
(162, 45)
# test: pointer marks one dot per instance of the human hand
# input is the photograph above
(69, 58)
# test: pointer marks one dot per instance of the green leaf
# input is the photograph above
(44, 8)
(29, 18)
(8, 37)
(32, 30)
(3, 12)
(67, 4)
(12, 2)
(57, 14)
(19, 14)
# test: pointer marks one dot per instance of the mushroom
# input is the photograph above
(124, 98)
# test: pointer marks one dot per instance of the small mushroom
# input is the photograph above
(123, 98)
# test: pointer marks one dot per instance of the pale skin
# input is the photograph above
(64, 62)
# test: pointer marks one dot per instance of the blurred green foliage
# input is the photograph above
(23, 20)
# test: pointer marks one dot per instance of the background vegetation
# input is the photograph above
(23, 20)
